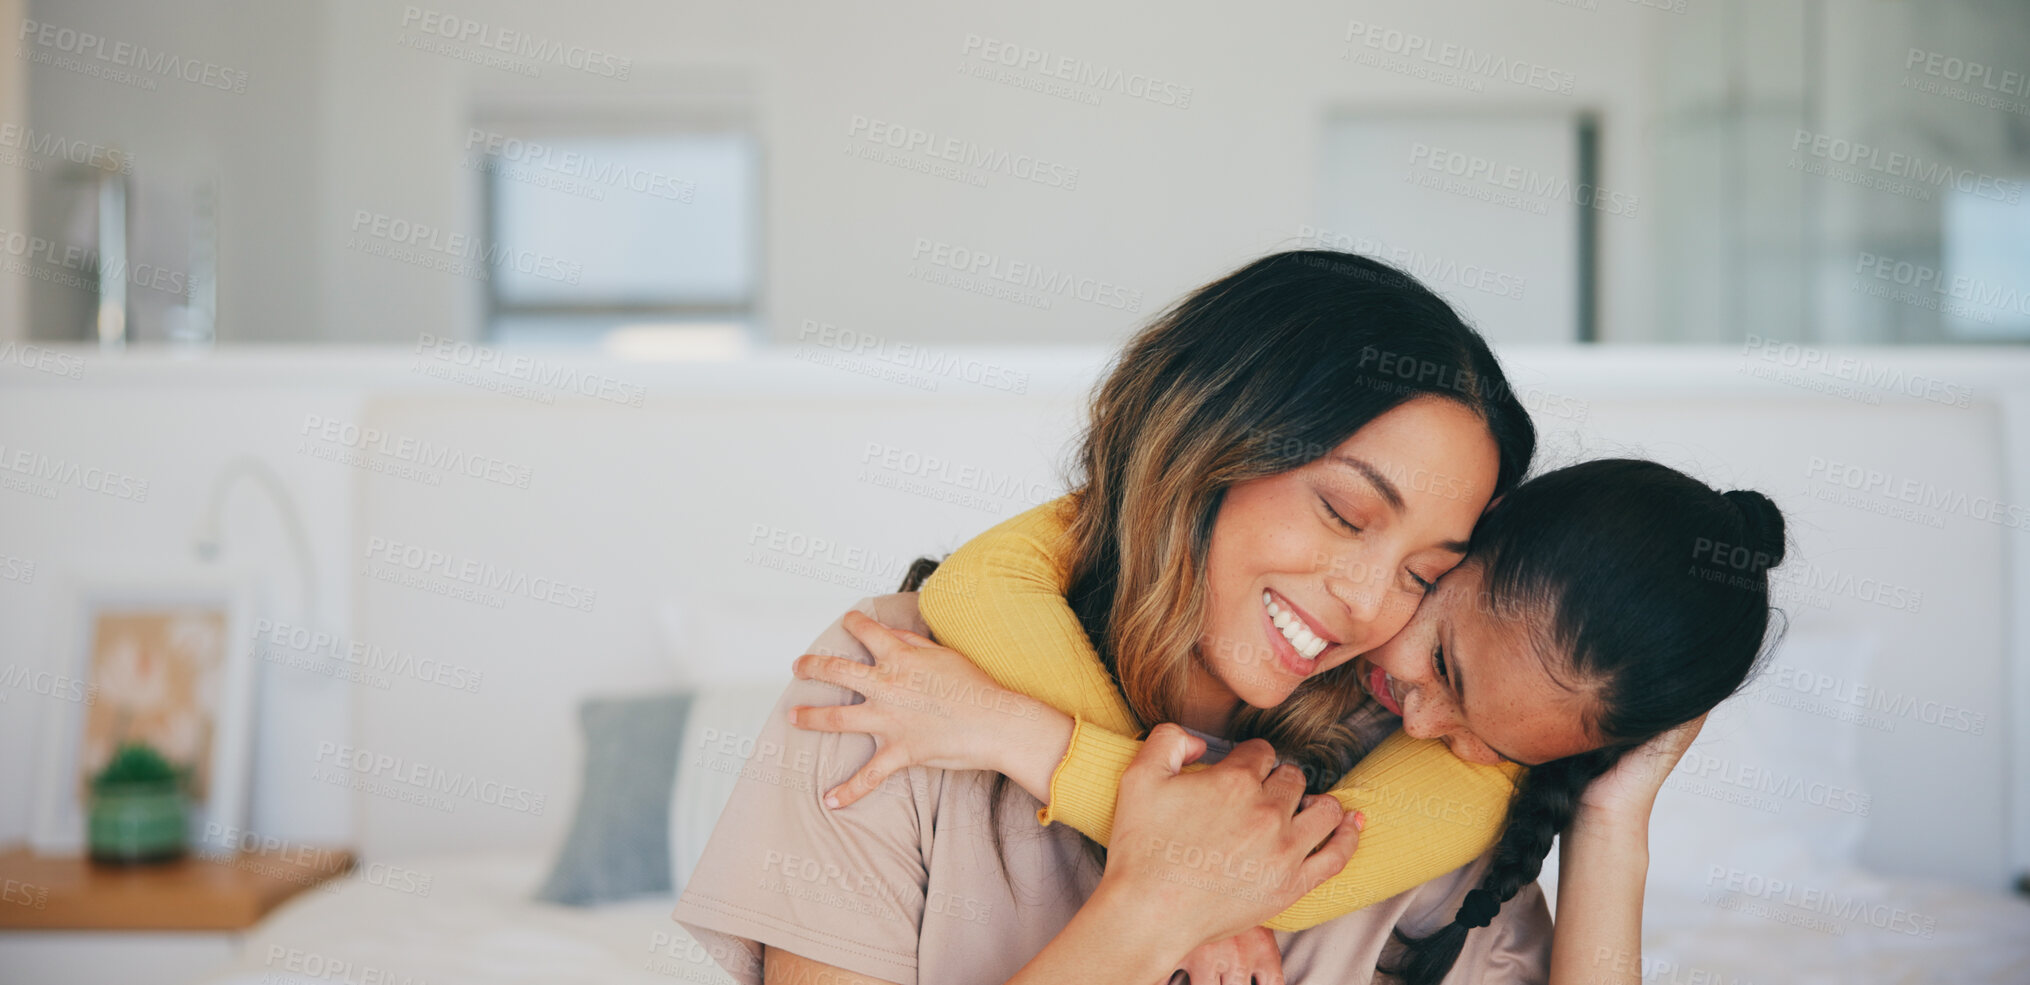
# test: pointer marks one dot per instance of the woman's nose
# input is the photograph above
(1362, 592)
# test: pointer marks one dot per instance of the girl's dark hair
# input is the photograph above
(1645, 587)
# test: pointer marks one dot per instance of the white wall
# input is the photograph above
(13, 180)
(260, 145)
(339, 117)
(1697, 114)
(177, 435)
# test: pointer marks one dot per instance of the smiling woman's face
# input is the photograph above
(1468, 672)
(1309, 567)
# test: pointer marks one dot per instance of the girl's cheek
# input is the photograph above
(1471, 750)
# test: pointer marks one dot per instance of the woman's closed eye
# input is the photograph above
(1337, 518)
(1423, 585)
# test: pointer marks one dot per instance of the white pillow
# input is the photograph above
(718, 738)
(1773, 784)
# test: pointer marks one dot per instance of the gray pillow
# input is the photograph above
(619, 846)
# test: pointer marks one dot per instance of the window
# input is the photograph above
(1983, 294)
(626, 240)
(1402, 187)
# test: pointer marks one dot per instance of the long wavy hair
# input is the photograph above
(1257, 373)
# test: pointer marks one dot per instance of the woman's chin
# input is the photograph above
(1261, 697)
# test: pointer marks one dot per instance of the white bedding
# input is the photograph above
(1825, 925)
(1976, 938)
(477, 924)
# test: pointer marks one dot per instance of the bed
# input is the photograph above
(477, 924)
(1738, 893)
(690, 588)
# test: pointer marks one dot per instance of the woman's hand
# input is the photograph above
(1250, 957)
(1213, 853)
(1628, 789)
(927, 705)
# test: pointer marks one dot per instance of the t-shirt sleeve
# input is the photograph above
(842, 887)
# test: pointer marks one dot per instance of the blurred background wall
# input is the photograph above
(1686, 224)
(1741, 153)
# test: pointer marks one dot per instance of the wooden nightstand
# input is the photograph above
(64, 919)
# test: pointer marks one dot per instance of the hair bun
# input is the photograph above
(1762, 520)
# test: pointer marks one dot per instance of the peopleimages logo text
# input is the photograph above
(63, 472)
(590, 168)
(416, 451)
(913, 356)
(1912, 167)
(521, 44)
(2006, 81)
(1476, 171)
(524, 368)
(1026, 274)
(1057, 65)
(1855, 369)
(1409, 44)
(462, 246)
(1917, 492)
(126, 54)
(423, 776)
(45, 144)
(964, 152)
(470, 571)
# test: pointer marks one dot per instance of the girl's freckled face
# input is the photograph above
(1468, 672)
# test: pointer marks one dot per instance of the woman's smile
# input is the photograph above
(1293, 634)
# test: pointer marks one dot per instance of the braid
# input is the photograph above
(1544, 804)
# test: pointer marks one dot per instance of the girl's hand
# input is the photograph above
(1628, 789)
(1250, 957)
(927, 705)
(1214, 853)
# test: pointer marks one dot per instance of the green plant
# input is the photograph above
(136, 764)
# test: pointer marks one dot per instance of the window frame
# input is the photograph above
(711, 118)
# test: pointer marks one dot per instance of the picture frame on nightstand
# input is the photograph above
(155, 654)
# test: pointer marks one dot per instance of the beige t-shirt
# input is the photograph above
(907, 885)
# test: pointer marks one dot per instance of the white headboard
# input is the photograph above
(741, 507)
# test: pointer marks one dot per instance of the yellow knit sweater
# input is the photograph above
(1000, 601)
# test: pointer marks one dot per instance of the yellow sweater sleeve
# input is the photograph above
(999, 599)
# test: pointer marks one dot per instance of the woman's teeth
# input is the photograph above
(1293, 629)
